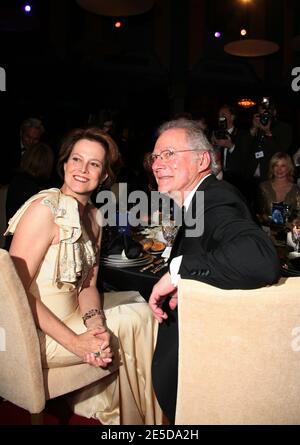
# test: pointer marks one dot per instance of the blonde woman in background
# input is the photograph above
(280, 186)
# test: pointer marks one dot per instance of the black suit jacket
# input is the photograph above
(235, 165)
(280, 140)
(232, 253)
(235, 161)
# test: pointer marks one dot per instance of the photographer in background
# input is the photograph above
(268, 136)
(232, 143)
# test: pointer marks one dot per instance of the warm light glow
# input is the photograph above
(246, 103)
(118, 24)
(245, 1)
(243, 32)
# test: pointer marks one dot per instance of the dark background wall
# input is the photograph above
(65, 64)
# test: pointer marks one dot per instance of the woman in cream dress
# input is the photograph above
(55, 249)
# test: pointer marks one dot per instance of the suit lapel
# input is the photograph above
(177, 245)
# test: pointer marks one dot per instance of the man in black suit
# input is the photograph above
(31, 131)
(231, 253)
(232, 142)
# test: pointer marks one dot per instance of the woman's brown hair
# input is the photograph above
(112, 160)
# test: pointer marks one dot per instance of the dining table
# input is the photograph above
(289, 258)
(128, 278)
(114, 276)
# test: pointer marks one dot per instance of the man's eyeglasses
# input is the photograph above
(166, 155)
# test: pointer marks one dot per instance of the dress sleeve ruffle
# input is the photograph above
(76, 255)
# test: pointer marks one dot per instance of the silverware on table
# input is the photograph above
(156, 262)
(159, 267)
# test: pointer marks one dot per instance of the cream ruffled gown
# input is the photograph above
(124, 398)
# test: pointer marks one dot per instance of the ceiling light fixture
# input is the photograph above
(251, 48)
(246, 103)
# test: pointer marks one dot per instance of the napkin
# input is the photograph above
(122, 242)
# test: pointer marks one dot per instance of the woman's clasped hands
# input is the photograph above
(93, 346)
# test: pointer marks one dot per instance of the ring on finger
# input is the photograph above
(98, 354)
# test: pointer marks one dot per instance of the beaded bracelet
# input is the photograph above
(92, 313)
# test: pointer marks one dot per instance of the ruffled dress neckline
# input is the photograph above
(76, 254)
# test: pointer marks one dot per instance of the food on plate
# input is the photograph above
(157, 246)
(147, 244)
(152, 245)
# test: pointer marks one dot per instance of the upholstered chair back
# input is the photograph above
(239, 354)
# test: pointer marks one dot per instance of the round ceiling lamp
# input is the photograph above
(116, 8)
(251, 48)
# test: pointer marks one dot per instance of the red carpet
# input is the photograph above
(56, 412)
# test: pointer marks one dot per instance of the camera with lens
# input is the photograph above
(266, 116)
(221, 131)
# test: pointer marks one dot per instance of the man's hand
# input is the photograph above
(257, 124)
(160, 291)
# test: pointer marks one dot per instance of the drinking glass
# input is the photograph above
(287, 212)
(169, 230)
(296, 234)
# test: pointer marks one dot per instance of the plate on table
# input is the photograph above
(153, 246)
(159, 252)
(156, 252)
(121, 261)
(294, 257)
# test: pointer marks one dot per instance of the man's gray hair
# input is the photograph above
(32, 122)
(196, 139)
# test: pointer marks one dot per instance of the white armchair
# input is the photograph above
(239, 354)
(22, 379)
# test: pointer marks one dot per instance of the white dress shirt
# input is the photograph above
(226, 150)
(176, 262)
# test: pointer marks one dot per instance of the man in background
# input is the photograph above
(231, 142)
(268, 135)
(31, 131)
